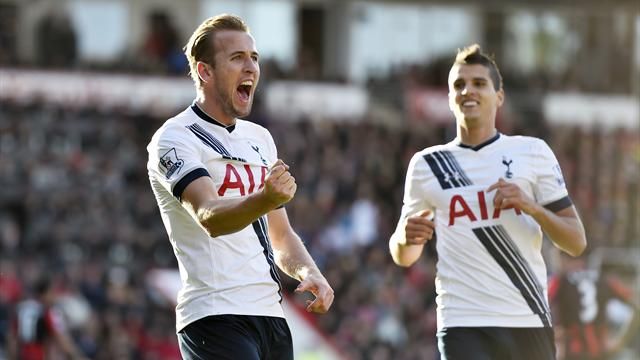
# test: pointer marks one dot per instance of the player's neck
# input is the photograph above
(475, 136)
(214, 110)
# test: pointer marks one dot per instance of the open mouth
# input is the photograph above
(244, 90)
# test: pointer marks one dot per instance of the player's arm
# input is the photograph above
(294, 259)
(412, 233)
(563, 227)
(219, 216)
(415, 226)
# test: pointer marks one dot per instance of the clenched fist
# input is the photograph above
(279, 185)
(419, 228)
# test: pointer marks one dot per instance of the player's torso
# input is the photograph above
(459, 181)
(232, 273)
(490, 267)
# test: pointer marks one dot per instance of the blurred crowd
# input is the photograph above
(76, 204)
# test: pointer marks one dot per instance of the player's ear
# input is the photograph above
(205, 72)
(500, 94)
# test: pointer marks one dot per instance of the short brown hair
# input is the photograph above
(473, 55)
(200, 46)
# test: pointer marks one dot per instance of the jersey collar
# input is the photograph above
(204, 116)
(480, 146)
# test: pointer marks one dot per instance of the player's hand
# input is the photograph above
(279, 184)
(509, 195)
(419, 228)
(320, 288)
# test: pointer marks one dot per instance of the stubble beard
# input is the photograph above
(229, 108)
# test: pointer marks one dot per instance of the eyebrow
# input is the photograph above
(240, 52)
(472, 79)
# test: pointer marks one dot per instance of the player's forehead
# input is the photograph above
(231, 41)
(468, 72)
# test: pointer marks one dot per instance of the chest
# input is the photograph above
(458, 181)
(237, 163)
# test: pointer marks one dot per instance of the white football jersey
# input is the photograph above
(490, 269)
(228, 274)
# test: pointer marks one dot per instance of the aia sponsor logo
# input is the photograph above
(458, 208)
(242, 178)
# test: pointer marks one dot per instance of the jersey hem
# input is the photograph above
(181, 324)
(529, 321)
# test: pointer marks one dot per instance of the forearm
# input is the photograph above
(566, 232)
(294, 259)
(402, 254)
(221, 217)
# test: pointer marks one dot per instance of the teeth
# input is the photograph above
(469, 103)
(247, 82)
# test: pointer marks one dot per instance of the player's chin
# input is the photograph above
(243, 110)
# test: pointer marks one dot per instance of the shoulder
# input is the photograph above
(434, 149)
(421, 159)
(251, 127)
(524, 141)
(174, 129)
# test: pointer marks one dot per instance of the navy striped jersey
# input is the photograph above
(228, 274)
(490, 269)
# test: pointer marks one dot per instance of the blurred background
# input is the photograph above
(350, 90)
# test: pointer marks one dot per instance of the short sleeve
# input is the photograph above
(550, 189)
(415, 197)
(174, 160)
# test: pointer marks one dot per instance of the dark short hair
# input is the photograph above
(473, 54)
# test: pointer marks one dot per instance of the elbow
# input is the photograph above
(213, 233)
(404, 264)
(403, 261)
(209, 224)
(578, 248)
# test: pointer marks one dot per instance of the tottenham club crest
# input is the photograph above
(508, 174)
(257, 149)
(170, 162)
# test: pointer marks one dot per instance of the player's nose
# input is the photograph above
(251, 66)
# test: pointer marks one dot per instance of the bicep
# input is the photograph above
(199, 193)
(568, 213)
